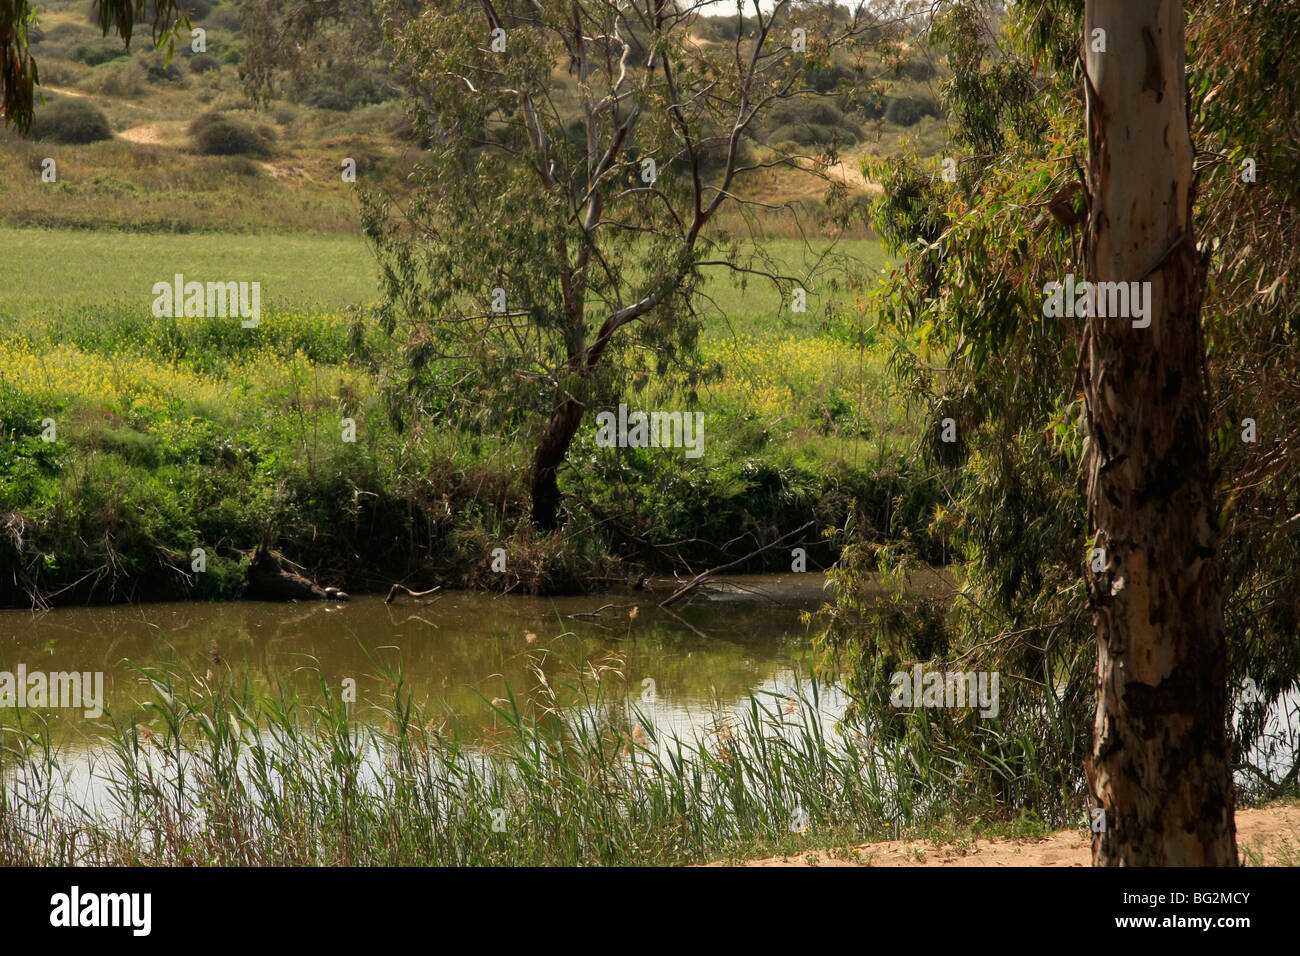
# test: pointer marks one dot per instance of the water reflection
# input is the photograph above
(460, 655)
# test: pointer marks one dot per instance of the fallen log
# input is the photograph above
(269, 579)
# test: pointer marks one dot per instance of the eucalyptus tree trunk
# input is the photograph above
(552, 449)
(1159, 766)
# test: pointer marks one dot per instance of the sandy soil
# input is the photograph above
(849, 171)
(284, 170)
(66, 91)
(1273, 832)
(157, 134)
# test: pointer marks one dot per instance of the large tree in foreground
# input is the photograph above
(1160, 763)
(978, 346)
(579, 155)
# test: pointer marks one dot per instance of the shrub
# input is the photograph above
(327, 98)
(203, 63)
(71, 120)
(61, 32)
(862, 103)
(217, 134)
(62, 72)
(225, 17)
(816, 134)
(712, 153)
(159, 70)
(826, 77)
(916, 70)
(368, 90)
(98, 51)
(126, 79)
(908, 110)
(805, 111)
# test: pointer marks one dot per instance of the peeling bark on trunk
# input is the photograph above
(1160, 760)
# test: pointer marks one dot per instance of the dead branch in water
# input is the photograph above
(393, 591)
(702, 576)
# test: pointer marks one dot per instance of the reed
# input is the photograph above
(571, 773)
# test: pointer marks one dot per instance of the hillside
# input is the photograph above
(152, 173)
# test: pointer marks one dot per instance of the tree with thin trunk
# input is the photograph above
(1159, 767)
(579, 156)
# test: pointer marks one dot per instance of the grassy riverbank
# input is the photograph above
(567, 775)
(208, 768)
(175, 434)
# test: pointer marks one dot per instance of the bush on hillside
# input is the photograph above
(868, 104)
(225, 17)
(825, 77)
(327, 98)
(916, 70)
(96, 52)
(71, 120)
(362, 91)
(909, 110)
(816, 134)
(62, 72)
(159, 70)
(217, 134)
(203, 63)
(126, 79)
(60, 32)
(805, 110)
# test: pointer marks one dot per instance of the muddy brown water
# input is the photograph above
(456, 650)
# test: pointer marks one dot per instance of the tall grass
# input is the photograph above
(569, 774)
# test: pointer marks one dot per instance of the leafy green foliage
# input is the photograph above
(544, 190)
(964, 310)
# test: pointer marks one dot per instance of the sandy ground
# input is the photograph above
(65, 91)
(173, 133)
(1273, 832)
(849, 172)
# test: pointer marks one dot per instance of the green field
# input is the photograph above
(63, 270)
(79, 270)
(174, 433)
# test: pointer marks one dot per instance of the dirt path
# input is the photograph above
(1269, 834)
(66, 91)
(148, 134)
